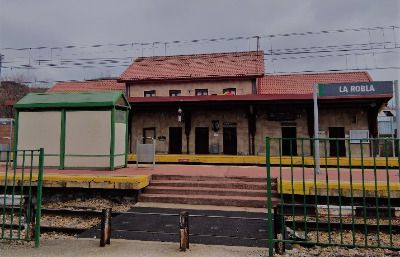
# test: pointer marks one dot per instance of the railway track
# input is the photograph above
(76, 221)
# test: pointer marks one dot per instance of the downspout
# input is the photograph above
(373, 127)
(310, 128)
(252, 129)
(188, 127)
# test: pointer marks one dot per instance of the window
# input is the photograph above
(229, 91)
(148, 135)
(150, 93)
(175, 93)
(201, 91)
(359, 134)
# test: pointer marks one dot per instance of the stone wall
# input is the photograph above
(243, 87)
(5, 134)
(162, 120)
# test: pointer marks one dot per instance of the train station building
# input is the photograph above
(223, 103)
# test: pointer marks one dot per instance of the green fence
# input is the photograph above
(352, 205)
(21, 195)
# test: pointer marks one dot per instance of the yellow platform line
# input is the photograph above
(261, 160)
(308, 188)
(81, 181)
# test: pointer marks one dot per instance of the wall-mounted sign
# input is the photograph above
(288, 124)
(356, 89)
(215, 125)
(281, 116)
(229, 123)
(162, 138)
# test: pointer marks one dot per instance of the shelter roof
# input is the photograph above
(65, 100)
(196, 66)
(87, 86)
(303, 83)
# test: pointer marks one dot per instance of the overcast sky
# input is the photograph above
(85, 39)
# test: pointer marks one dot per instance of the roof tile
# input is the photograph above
(87, 86)
(235, 64)
(303, 83)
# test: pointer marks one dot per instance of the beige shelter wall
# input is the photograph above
(120, 143)
(161, 121)
(49, 161)
(88, 133)
(86, 162)
(120, 135)
(119, 161)
(243, 87)
(40, 130)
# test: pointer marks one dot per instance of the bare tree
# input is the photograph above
(14, 89)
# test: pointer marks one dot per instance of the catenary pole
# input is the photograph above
(316, 129)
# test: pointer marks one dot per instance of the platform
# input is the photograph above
(118, 179)
(392, 162)
(137, 178)
(304, 182)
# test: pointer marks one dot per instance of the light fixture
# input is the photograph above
(179, 114)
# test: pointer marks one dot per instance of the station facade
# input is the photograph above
(223, 103)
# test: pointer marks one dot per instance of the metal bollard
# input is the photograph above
(184, 230)
(278, 233)
(105, 227)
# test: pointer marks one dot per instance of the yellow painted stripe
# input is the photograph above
(309, 188)
(260, 160)
(131, 182)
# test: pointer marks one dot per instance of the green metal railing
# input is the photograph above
(21, 195)
(334, 205)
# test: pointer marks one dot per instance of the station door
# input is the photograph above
(337, 147)
(175, 140)
(289, 132)
(230, 141)
(202, 140)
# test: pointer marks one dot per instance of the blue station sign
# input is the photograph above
(356, 88)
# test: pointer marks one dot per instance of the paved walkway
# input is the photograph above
(121, 248)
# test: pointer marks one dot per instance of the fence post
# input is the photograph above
(279, 245)
(39, 197)
(269, 194)
(184, 230)
(105, 236)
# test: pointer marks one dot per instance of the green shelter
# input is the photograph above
(77, 130)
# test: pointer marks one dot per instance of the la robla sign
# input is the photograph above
(356, 88)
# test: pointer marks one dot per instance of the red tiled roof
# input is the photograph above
(87, 86)
(197, 66)
(303, 83)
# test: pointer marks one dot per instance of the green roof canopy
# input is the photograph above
(81, 99)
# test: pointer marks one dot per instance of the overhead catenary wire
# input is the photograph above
(65, 58)
(212, 39)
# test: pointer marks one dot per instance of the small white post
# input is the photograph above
(397, 102)
(316, 130)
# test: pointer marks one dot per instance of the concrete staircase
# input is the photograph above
(208, 190)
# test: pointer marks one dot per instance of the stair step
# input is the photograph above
(205, 191)
(239, 201)
(210, 178)
(212, 184)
